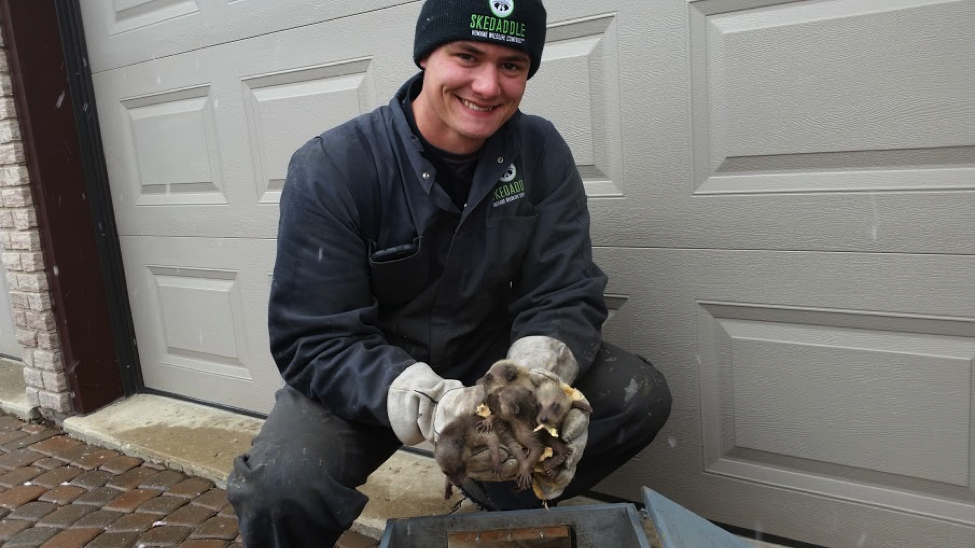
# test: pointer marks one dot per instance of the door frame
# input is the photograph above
(47, 57)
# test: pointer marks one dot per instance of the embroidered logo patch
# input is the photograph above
(509, 174)
(502, 8)
(509, 188)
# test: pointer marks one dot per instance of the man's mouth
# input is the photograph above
(474, 107)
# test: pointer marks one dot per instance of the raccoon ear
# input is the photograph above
(537, 377)
(511, 374)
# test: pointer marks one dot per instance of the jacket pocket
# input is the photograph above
(508, 239)
(402, 277)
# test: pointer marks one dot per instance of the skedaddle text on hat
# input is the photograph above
(511, 31)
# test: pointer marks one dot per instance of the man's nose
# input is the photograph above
(487, 82)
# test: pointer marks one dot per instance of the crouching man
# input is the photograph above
(417, 245)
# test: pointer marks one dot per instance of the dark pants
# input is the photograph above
(297, 485)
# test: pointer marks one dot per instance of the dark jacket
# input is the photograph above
(345, 321)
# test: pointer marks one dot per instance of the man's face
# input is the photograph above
(470, 89)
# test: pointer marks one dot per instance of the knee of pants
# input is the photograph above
(280, 488)
(646, 399)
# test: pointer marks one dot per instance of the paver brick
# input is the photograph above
(34, 428)
(18, 459)
(97, 519)
(65, 516)
(161, 506)
(131, 478)
(63, 495)
(29, 440)
(234, 544)
(19, 495)
(32, 537)
(191, 515)
(10, 528)
(8, 423)
(10, 436)
(164, 536)
(136, 522)
(57, 476)
(55, 444)
(33, 511)
(73, 538)
(92, 479)
(73, 453)
(20, 476)
(228, 511)
(131, 500)
(217, 528)
(215, 499)
(92, 460)
(48, 463)
(114, 539)
(98, 496)
(203, 543)
(163, 480)
(153, 465)
(120, 464)
(190, 488)
(4, 512)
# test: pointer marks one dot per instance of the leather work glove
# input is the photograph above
(549, 357)
(574, 430)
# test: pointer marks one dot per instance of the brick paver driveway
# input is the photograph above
(59, 492)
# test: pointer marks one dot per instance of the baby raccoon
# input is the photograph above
(511, 398)
(555, 400)
(456, 445)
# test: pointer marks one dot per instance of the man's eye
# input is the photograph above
(513, 67)
(465, 57)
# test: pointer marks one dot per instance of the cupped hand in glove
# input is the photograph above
(567, 412)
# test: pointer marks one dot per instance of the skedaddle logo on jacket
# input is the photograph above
(498, 27)
(508, 189)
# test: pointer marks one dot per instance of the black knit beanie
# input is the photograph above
(518, 24)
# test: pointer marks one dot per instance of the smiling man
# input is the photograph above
(418, 244)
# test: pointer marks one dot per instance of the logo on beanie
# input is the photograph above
(498, 28)
(502, 8)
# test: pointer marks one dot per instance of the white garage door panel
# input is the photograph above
(821, 374)
(200, 313)
(876, 377)
(577, 90)
(198, 144)
(805, 114)
(126, 32)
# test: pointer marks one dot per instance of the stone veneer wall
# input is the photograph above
(23, 262)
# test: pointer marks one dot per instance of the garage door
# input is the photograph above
(781, 194)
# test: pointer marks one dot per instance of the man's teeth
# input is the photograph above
(474, 107)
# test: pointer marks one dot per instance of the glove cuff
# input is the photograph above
(546, 353)
(412, 402)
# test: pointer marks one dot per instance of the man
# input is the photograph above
(418, 244)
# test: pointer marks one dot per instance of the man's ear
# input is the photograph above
(423, 62)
